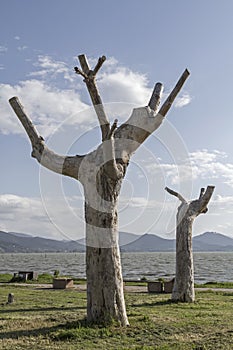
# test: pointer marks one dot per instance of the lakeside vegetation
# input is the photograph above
(43, 318)
(46, 278)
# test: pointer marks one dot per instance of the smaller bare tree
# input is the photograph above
(183, 289)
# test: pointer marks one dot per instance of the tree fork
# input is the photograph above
(89, 78)
(101, 173)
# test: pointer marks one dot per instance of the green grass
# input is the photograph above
(55, 319)
(5, 277)
(48, 278)
(227, 285)
(44, 278)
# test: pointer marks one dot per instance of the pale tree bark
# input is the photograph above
(101, 173)
(183, 289)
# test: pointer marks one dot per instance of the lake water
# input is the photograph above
(208, 266)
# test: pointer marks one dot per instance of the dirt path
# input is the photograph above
(129, 289)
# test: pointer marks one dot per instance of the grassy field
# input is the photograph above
(55, 319)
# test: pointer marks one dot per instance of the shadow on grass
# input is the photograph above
(7, 310)
(162, 302)
(44, 330)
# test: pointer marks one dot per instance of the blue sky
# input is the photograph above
(145, 42)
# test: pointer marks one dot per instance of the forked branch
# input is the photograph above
(89, 78)
(198, 206)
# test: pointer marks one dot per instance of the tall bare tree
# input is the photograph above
(101, 173)
(183, 289)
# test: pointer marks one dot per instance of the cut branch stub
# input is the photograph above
(113, 128)
(202, 191)
(26, 122)
(170, 99)
(78, 71)
(156, 97)
(204, 200)
(89, 78)
(99, 65)
(114, 170)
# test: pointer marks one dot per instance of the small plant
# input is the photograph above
(56, 273)
(161, 279)
(143, 279)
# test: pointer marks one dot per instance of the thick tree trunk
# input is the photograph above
(183, 289)
(105, 295)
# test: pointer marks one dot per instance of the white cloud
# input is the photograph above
(183, 101)
(49, 68)
(17, 37)
(50, 105)
(22, 48)
(47, 106)
(122, 85)
(212, 165)
(200, 165)
(3, 49)
(28, 215)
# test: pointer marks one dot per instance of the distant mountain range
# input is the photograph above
(13, 242)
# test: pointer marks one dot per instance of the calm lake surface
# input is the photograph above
(208, 266)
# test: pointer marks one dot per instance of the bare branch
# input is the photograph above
(113, 128)
(26, 122)
(202, 192)
(168, 103)
(59, 164)
(99, 64)
(113, 169)
(156, 97)
(78, 71)
(176, 194)
(204, 200)
(93, 91)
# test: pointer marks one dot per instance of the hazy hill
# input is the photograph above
(22, 243)
(208, 241)
(214, 238)
(149, 243)
(13, 242)
(124, 238)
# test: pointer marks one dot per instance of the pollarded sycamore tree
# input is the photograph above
(183, 289)
(101, 173)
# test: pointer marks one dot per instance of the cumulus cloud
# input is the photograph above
(16, 212)
(201, 164)
(212, 165)
(47, 68)
(123, 85)
(49, 104)
(29, 215)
